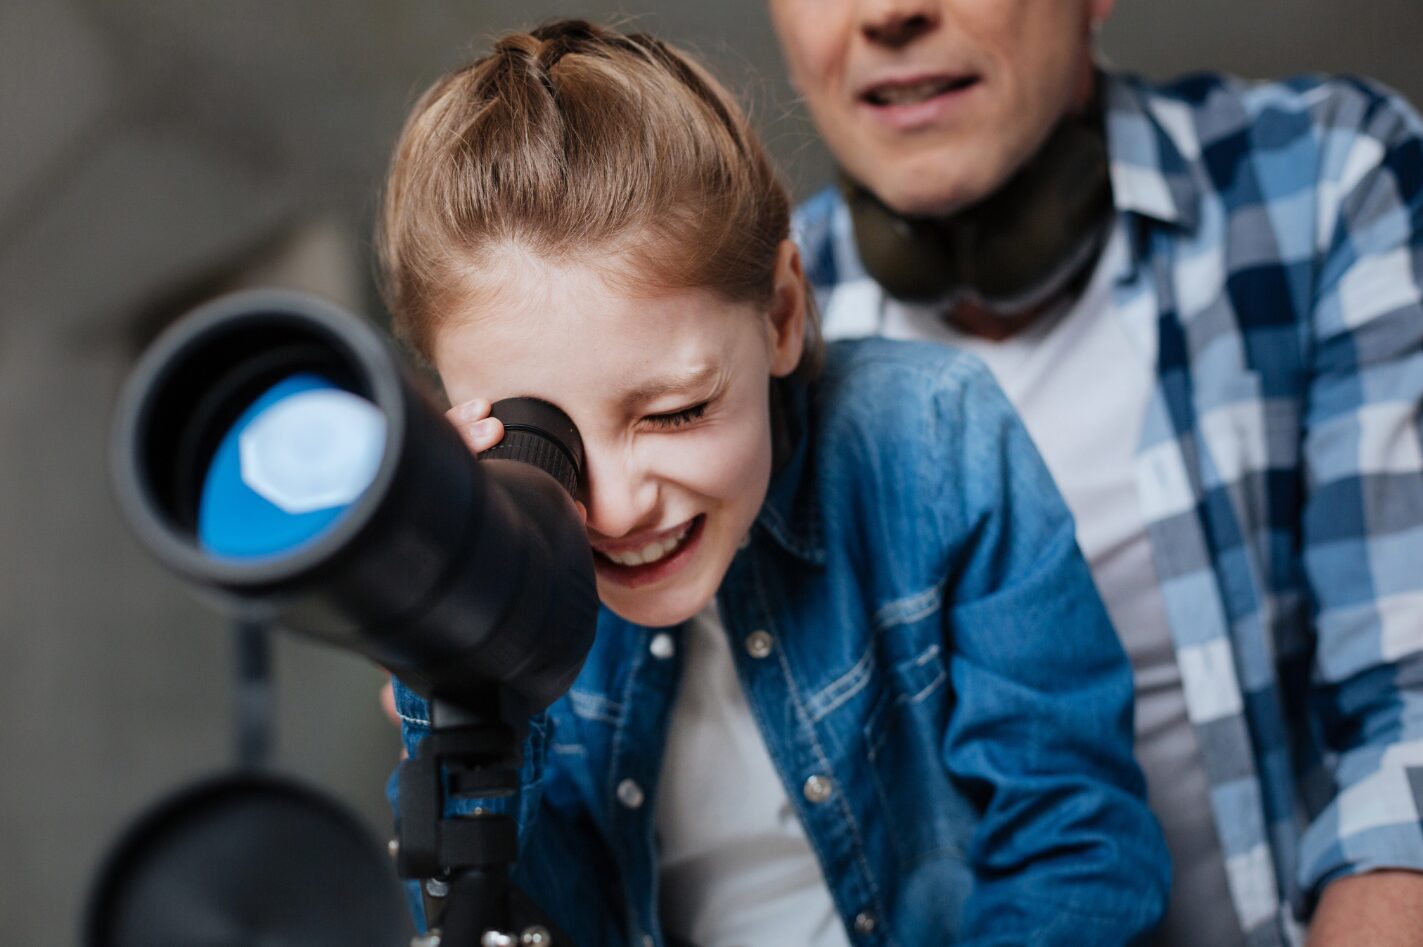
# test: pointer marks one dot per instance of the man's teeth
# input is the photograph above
(651, 552)
(914, 92)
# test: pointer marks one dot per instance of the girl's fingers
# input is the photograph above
(482, 435)
(468, 412)
(472, 420)
(387, 703)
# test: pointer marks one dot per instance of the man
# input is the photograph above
(1205, 301)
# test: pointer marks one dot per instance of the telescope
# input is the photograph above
(271, 451)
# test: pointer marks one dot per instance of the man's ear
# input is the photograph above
(786, 320)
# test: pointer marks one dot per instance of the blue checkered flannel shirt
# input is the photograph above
(1275, 235)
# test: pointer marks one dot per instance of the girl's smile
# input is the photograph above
(638, 561)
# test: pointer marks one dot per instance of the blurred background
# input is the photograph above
(156, 152)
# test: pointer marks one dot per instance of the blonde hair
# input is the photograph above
(574, 141)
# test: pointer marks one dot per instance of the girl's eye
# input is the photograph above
(676, 419)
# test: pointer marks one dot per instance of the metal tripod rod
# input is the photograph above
(252, 692)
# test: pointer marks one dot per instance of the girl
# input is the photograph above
(852, 682)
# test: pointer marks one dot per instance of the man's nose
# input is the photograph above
(897, 23)
(620, 496)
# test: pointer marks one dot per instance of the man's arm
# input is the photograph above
(1381, 909)
(1362, 522)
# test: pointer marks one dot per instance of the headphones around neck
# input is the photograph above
(1014, 250)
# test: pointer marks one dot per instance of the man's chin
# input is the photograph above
(937, 180)
(913, 194)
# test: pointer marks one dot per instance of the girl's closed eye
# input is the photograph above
(675, 419)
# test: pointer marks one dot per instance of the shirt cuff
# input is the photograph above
(1372, 824)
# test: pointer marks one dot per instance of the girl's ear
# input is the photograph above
(786, 319)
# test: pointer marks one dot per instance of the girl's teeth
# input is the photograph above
(651, 552)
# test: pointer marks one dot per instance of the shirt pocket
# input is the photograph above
(926, 816)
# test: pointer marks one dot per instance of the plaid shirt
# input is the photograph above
(1275, 235)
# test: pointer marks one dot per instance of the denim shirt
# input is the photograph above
(931, 668)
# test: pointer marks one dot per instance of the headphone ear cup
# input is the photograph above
(1040, 232)
(914, 260)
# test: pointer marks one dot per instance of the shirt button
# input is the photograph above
(864, 923)
(817, 788)
(647, 940)
(662, 646)
(759, 643)
(745, 541)
(630, 793)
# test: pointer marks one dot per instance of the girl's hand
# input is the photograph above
(478, 429)
(387, 704)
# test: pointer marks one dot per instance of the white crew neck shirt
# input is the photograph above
(736, 868)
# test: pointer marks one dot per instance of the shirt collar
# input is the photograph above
(1151, 141)
(791, 513)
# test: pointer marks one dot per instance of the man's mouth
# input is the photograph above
(912, 92)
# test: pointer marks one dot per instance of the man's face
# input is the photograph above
(933, 104)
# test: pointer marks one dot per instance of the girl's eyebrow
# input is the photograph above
(679, 383)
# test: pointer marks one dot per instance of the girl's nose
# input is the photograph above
(620, 495)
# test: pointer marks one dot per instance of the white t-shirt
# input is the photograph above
(736, 868)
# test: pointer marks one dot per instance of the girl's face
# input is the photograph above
(670, 393)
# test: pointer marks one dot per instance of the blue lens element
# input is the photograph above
(292, 464)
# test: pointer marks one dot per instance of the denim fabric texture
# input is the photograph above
(939, 662)
(1276, 241)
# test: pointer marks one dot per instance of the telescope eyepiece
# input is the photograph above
(537, 432)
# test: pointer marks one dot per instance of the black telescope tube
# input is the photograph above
(461, 576)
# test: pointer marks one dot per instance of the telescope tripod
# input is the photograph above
(465, 860)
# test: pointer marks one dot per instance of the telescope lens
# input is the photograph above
(291, 465)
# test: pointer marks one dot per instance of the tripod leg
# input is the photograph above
(476, 906)
(478, 897)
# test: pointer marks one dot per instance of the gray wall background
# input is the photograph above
(153, 152)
